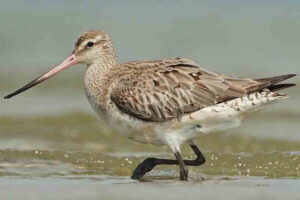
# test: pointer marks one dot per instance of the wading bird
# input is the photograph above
(163, 102)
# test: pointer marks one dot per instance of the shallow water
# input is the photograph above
(52, 146)
(106, 187)
(76, 152)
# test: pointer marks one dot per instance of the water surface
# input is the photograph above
(76, 152)
(52, 145)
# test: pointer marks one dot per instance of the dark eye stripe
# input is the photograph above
(87, 47)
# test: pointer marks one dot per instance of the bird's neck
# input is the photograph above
(99, 79)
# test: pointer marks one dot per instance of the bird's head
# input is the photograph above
(91, 47)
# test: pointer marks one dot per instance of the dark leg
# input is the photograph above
(183, 170)
(148, 164)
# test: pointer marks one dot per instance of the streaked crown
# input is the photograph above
(94, 45)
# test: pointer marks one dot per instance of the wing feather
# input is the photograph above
(166, 89)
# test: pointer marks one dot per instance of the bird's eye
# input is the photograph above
(90, 44)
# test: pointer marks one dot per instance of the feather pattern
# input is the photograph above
(185, 99)
(166, 89)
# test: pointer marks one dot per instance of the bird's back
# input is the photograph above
(160, 90)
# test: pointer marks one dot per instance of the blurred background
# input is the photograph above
(51, 131)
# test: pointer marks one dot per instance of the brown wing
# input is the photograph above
(166, 89)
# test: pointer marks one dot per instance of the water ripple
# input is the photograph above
(66, 163)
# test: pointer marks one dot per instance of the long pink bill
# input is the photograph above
(71, 60)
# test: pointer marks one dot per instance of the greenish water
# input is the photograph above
(75, 151)
(52, 146)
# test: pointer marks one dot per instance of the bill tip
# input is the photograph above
(7, 97)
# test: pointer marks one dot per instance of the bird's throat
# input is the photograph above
(99, 79)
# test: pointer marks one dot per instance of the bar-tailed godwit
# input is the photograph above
(163, 102)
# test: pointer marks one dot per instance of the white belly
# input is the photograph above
(219, 117)
(177, 131)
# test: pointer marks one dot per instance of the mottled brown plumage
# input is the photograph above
(152, 90)
(163, 102)
(165, 89)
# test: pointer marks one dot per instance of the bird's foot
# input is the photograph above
(146, 166)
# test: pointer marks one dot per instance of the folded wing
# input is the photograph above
(166, 89)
